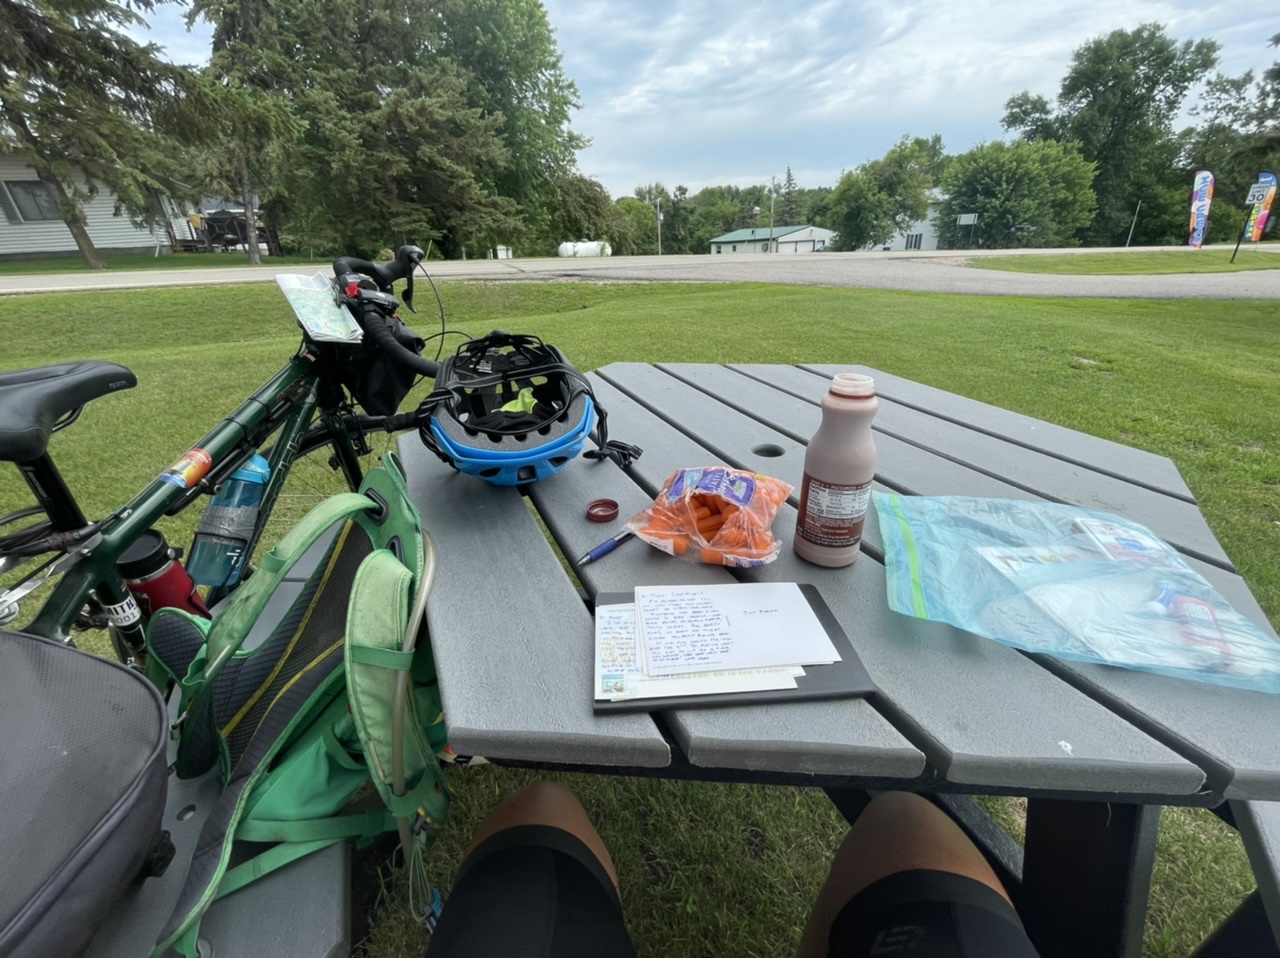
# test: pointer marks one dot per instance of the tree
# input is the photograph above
(257, 122)
(1236, 117)
(509, 48)
(643, 222)
(582, 210)
(392, 149)
(87, 107)
(880, 198)
(1025, 194)
(790, 209)
(1118, 101)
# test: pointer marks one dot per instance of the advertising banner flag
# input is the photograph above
(1261, 195)
(1201, 199)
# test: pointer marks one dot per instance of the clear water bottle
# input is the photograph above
(218, 555)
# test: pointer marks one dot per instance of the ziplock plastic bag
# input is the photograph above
(1069, 582)
(715, 515)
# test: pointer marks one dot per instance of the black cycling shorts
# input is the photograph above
(531, 890)
(928, 914)
(535, 890)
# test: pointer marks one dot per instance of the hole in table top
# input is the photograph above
(184, 814)
(769, 450)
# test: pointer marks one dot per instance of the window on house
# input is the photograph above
(914, 240)
(735, 247)
(33, 200)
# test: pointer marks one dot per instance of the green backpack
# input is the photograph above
(339, 693)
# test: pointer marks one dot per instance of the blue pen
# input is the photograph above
(604, 548)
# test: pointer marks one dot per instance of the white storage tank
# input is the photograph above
(586, 248)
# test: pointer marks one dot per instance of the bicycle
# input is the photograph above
(307, 412)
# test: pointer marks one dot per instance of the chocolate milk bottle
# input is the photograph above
(838, 468)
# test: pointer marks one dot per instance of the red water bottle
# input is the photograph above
(156, 579)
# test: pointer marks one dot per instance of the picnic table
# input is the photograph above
(1096, 750)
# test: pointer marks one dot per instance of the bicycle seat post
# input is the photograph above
(51, 492)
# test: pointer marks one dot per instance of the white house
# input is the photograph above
(781, 239)
(30, 223)
(921, 234)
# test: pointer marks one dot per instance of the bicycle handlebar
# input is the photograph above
(373, 313)
(373, 322)
(385, 274)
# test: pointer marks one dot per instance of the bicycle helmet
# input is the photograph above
(511, 409)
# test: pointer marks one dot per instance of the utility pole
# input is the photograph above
(659, 225)
(1133, 225)
(773, 193)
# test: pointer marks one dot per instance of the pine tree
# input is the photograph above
(790, 200)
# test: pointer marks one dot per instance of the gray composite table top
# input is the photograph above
(513, 638)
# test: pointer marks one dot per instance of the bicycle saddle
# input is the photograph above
(33, 400)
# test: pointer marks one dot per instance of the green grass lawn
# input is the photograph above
(1175, 260)
(126, 261)
(719, 869)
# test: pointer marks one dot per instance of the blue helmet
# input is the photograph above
(511, 409)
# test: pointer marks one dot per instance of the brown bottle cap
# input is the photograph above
(602, 510)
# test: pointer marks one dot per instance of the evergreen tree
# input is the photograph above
(790, 207)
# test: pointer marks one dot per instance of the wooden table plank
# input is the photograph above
(1115, 459)
(1180, 521)
(938, 683)
(846, 737)
(1229, 730)
(511, 635)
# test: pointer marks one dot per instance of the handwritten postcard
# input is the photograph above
(620, 667)
(714, 628)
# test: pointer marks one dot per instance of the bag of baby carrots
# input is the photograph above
(715, 515)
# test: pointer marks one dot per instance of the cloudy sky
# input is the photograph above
(732, 91)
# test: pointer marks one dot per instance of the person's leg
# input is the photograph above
(896, 832)
(545, 803)
(537, 880)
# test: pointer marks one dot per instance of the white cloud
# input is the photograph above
(731, 92)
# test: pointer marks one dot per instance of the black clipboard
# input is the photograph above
(847, 678)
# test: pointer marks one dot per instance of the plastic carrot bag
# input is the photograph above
(715, 515)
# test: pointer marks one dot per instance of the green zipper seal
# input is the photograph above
(913, 560)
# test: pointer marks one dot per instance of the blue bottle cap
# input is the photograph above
(256, 470)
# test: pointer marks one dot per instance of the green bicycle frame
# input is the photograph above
(287, 402)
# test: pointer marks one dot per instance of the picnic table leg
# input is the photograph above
(1087, 876)
(1246, 932)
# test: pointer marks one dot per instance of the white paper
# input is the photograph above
(620, 672)
(712, 628)
(318, 313)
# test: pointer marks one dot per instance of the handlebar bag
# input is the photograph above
(377, 380)
(83, 781)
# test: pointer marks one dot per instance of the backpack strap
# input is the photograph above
(234, 622)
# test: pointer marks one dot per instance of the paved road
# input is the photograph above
(931, 272)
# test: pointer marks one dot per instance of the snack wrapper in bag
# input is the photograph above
(715, 515)
(1068, 582)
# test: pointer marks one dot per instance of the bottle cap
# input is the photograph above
(853, 384)
(256, 470)
(602, 510)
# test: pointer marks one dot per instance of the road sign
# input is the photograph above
(966, 219)
(1257, 193)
